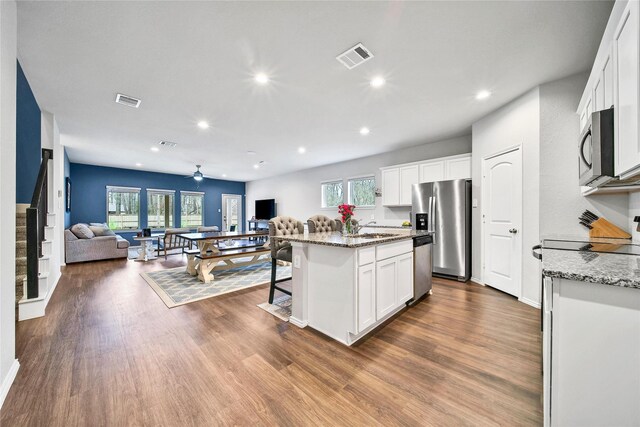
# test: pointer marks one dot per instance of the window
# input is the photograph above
(123, 208)
(362, 191)
(191, 209)
(160, 208)
(332, 194)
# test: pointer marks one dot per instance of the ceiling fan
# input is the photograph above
(197, 175)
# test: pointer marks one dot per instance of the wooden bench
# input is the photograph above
(209, 262)
(192, 261)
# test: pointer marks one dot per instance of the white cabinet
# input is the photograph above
(386, 275)
(591, 351)
(397, 180)
(366, 296)
(408, 177)
(585, 114)
(607, 85)
(625, 49)
(405, 278)
(432, 172)
(458, 168)
(391, 187)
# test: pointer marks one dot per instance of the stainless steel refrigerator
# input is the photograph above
(444, 208)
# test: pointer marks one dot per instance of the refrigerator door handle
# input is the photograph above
(430, 216)
(433, 221)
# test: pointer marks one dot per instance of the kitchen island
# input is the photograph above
(345, 286)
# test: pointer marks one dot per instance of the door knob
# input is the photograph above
(513, 230)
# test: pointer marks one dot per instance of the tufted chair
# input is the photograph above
(281, 226)
(321, 224)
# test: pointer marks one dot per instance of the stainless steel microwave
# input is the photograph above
(595, 150)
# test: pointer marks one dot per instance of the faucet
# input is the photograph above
(357, 227)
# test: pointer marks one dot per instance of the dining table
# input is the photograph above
(212, 240)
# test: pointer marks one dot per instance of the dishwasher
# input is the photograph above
(422, 267)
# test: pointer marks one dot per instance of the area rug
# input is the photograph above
(281, 307)
(175, 287)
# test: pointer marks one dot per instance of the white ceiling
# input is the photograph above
(192, 61)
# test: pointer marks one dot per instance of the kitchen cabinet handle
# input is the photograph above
(513, 230)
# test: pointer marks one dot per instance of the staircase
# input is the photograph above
(21, 253)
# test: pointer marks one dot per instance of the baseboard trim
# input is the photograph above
(297, 322)
(8, 381)
(530, 302)
(33, 308)
(476, 281)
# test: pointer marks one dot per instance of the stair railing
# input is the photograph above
(36, 223)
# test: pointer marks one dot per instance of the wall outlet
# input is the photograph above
(219, 210)
(373, 216)
(474, 203)
(296, 261)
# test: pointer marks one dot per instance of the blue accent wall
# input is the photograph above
(28, 146)
(67, 174)
(89, 193)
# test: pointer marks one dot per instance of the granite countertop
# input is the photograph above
(338, 240)
(606, 268)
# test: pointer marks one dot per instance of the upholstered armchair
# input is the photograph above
(280, 250)
(321, 224)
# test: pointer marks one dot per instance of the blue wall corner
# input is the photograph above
(89, 198)
(28, 143)
(67, 174)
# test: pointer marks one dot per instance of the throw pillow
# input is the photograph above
(101, 230)
(82, 231)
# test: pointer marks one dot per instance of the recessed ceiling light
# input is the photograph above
(138, 164)
(203, 125)
(483, 94)
(262, 78)
(224, 175)
(251, 153)
(256, 166)
(364, 131)
(155, 149)
(302, 150)
(377, 81)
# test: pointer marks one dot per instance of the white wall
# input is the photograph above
(8, 362)
(561, 201)
(297, 194)
(516, 124)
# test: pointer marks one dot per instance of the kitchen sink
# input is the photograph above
(376, 235)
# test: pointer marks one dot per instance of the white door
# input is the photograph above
(231, 212)
(366, 296)
(386, 276)
(502, 219)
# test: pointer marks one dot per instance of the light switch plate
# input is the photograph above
(296, 261)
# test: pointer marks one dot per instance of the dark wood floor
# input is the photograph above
(109, 352)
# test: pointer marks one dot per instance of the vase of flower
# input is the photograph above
(346, 212)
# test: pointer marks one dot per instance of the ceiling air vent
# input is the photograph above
(168, 144)
(127, 100)
(354, 56)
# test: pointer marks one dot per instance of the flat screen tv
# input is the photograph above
(265, 209)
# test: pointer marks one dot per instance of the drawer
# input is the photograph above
(366, 255)
(393, 249)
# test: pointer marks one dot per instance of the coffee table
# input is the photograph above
(147, 252)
